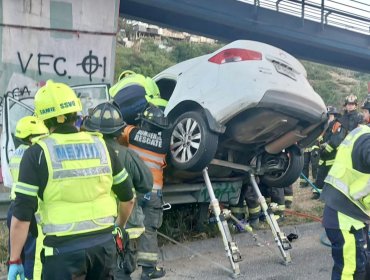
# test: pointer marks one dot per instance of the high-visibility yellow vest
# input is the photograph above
(78, 196)
(14, 166)
(135, 79)
(354, 184)
(157, 101)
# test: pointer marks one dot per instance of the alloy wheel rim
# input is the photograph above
(185, 140)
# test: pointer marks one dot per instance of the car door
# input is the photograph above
(15, 109)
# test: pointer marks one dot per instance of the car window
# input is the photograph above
(91, 95)
(166, 87)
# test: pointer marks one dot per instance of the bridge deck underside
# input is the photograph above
(231, 20)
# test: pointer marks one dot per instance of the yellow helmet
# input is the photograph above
(30, 125)
(125, 73)
(55, 99)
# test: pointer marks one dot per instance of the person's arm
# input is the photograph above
(18, 235)
(124, 212)
(25, 204)
(122, 187)
(142, 178)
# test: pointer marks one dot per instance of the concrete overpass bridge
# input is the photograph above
(334, 32)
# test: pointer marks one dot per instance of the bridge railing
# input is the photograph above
(353, 15)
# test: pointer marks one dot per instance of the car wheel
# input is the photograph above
(283, 169)
(193, 145)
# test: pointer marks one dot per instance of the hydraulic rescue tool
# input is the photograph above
(232, 250)
(230, 245)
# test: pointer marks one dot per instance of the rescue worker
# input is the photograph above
(107, 119)
(327, 153)
(151, 141)
(341, 127)
(347, 203)
(366, 110)
(278, 199)
(27, 128)
(248, 209)
(311, 159)
(75, 177)
(132, 92)
(351, 118)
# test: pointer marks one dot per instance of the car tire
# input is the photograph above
(193, 144)
(293, 170)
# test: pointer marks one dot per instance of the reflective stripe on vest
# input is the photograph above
(80, 226)
(155, 163)
(354, 184)
(14, 164)
(78, 197)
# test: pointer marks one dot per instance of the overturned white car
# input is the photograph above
(247, 103)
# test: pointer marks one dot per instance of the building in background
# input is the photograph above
(65, 40)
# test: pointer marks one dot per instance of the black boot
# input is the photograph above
(150, 272)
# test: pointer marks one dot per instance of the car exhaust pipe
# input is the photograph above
(288, 139)
(284, 141)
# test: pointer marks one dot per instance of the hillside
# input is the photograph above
(149, 57)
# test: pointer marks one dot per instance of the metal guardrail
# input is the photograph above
(4, 205)
(353, 15)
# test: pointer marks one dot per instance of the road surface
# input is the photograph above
(310, 259)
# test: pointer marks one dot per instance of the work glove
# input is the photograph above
(14, 270)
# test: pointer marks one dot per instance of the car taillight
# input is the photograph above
(235, 55)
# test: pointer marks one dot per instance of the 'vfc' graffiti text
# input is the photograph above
(90, 64)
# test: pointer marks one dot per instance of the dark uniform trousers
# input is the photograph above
(322, 172)
(314, 160)
(94, 262)
(148, 241)
(348, 249)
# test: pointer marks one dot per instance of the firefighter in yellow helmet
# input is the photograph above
(76, 177)
(132, 92)
(27, 128)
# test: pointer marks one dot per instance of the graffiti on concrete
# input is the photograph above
(90, 64)
(224, 192)
(19, 92)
